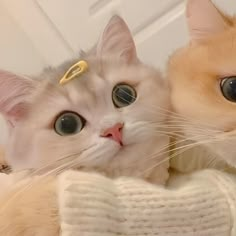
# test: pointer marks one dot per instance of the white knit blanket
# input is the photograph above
(203, 204)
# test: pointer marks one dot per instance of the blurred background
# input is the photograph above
(39, 33)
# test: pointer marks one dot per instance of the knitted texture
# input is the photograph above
(204, 204)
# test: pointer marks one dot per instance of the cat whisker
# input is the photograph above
(180, 151)
(184, 148)
(59, 160)
(165, 111)
(48, 170)
(81, 159)
(176, 129)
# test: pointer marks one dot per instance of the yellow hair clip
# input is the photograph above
(77, 69)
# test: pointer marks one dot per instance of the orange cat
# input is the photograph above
(24, 213)
(202, 77)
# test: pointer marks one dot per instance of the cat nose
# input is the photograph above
(114, 132)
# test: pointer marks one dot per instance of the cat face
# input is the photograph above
(109, 118)
(202, 76)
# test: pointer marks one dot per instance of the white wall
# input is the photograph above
(36, 33)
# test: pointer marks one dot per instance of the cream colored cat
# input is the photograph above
(202, 76)
(110, 119)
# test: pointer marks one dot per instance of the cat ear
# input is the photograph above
(13, 92)
(204, 19)
(117, 40)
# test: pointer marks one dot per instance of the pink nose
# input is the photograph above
(115, 133)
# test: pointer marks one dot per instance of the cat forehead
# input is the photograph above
(215, 57)
(98, 79)
(93, 71)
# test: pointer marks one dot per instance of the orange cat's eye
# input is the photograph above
(228, 88)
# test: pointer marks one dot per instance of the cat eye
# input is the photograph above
(123, 95)
(228, 88)
(69, 123)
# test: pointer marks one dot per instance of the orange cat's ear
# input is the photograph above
(117, 41)
(204, 19)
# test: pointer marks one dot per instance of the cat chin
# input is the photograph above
(227, 157)
(134, 159)
(222, 155)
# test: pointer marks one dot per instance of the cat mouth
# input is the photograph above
(121, 143)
